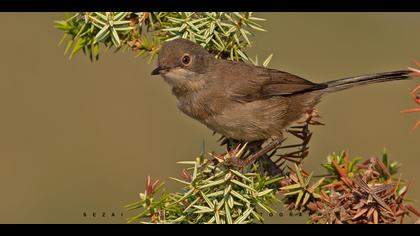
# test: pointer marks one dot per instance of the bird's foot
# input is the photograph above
(262, 153)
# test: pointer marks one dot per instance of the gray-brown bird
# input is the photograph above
(242, 101)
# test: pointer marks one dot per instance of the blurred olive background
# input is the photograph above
(79, 137)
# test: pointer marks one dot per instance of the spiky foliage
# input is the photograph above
(214, 192)
(351, 193)
(225, 34)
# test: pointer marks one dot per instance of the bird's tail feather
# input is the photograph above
(341, 84)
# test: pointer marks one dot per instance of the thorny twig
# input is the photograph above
(415, 95)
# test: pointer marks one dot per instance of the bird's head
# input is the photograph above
(181, 62)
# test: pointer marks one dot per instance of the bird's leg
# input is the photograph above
(273, 145)
(265, 162)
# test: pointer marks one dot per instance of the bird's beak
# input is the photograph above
(157, 71)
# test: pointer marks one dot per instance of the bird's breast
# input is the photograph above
(195, 106)
(250, 121)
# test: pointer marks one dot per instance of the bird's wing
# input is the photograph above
(262, 83)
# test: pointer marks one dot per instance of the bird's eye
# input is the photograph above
(186, 59)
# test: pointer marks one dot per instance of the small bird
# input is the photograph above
(241, 101)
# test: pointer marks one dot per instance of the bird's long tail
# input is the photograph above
(341, 84)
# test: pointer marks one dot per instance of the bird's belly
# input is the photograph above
(250, 121)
